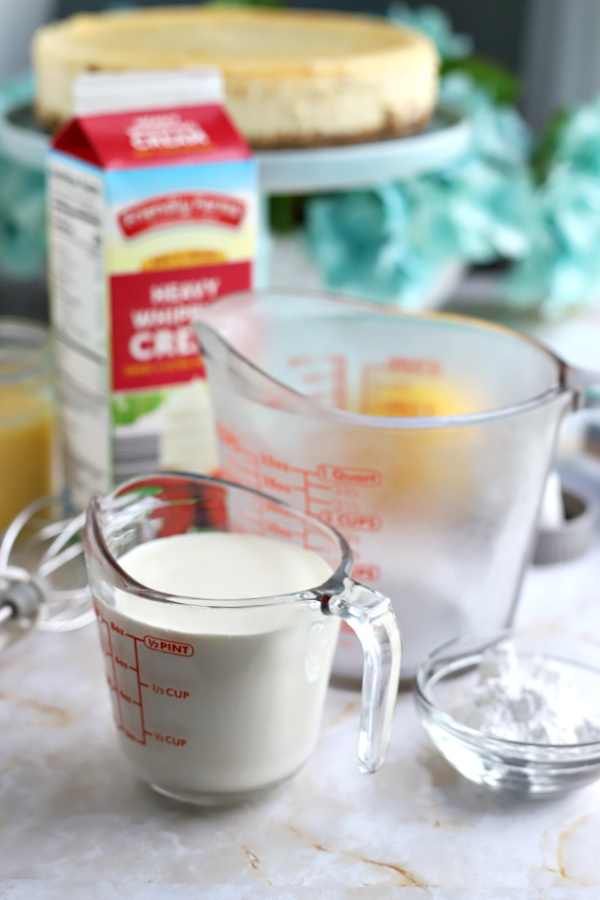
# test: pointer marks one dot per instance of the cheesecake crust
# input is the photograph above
(314, 141)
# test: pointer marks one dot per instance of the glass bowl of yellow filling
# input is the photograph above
(27, 416)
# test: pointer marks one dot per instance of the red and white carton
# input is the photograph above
(153, 212)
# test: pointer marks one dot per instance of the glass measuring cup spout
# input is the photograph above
(219, 611)
(426, 439)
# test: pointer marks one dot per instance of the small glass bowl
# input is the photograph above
(448, 675)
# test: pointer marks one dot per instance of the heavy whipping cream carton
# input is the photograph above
(153, 212)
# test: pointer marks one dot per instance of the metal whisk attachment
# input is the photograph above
(43, 582)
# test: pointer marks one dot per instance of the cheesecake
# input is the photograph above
(292, 78)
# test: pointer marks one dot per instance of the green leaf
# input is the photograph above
(548, 140)
(501, 84)
(285, 213)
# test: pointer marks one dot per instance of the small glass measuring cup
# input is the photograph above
(216, 701)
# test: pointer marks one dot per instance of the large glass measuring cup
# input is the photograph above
(218, 697)
(425, 439)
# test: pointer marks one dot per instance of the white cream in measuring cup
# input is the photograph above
(260, 722)
(218, 635)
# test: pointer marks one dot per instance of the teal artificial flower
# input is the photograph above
(480, 208)
(499, 132)
(391, 244)
(22, 220)
(578, 144)
(562, 269)
(436, 24)
(359, 239)
(22, 200)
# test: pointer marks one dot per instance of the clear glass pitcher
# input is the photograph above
(218, 696)
(425, 439)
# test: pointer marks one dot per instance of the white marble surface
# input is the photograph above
(75, 822)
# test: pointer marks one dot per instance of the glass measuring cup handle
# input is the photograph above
(585, 385)
(371, 617)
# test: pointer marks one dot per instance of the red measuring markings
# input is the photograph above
(130, 693)
(350, 475)
(177, 693)
(366, 572)
(353, 521)
(314, 491)
(176, 648)
(330, 492)
(322, 378)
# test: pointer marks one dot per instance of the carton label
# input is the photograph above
(129, 140)
(153, 341)
(181, 209)
(152, 216)
(166, 131)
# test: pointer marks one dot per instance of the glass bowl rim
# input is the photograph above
(474, 737)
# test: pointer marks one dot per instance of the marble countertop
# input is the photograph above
(75, 822)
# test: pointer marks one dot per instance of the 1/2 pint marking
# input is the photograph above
(177, 648)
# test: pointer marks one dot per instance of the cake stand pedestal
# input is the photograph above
(352, 167)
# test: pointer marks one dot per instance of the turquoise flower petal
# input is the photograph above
(436, 24)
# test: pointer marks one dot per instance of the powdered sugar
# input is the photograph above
(532, 700)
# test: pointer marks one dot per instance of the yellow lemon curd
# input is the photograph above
(26, 449)
(415, 398)
(421, 467)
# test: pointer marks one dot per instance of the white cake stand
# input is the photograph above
(308, 171)
(327, 169)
